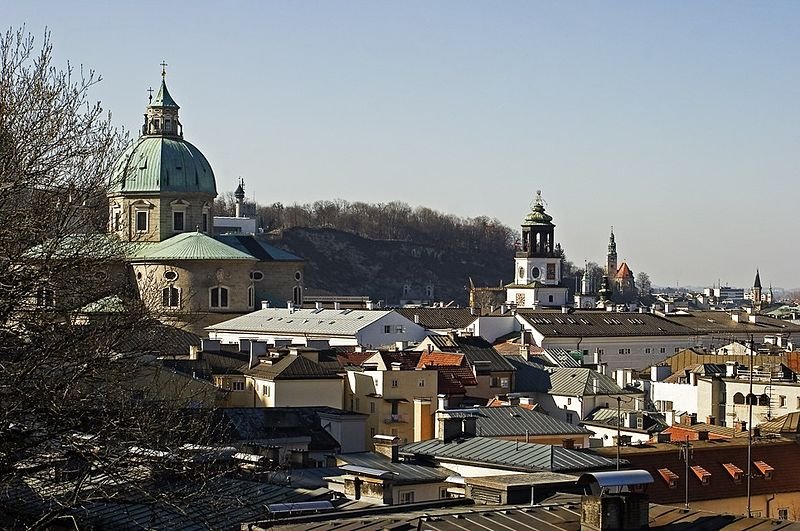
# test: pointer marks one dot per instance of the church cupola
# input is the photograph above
(161, 117)
(537, 232)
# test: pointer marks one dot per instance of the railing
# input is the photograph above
(395, 418)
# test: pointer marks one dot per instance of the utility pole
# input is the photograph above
(685, 452)
(750, 398)
(619, 421)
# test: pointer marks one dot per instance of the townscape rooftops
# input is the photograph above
(607, 416)
(476, 349)
(565, 381)
(789, 424)
(439, 318)
(600, 324)
(507, 421)
(302, 321)
(401, 472)
(512, 455)
(292, 367)
(710, 321)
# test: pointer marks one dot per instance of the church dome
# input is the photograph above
(156, 163)
(161, 160)
(538, 216)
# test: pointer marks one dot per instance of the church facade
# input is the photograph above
(161, 205)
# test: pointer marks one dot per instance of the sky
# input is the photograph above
(675, 122)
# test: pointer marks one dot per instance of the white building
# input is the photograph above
(367, 328)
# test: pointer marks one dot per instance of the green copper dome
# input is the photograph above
(538, 216)
(156, 163)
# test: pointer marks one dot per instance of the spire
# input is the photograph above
(538, 216)
(612, 244)
(163, 98)
(239, 195)
(757, 282)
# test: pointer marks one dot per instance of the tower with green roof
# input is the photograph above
(161, 185)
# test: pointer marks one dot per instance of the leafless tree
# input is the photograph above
(84, 408)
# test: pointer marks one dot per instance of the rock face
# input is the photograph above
(343, 263)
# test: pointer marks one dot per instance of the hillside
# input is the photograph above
(348, 264)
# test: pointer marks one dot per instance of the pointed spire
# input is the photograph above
(163, 98)
(757, 282)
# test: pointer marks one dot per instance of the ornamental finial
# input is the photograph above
(163, 69)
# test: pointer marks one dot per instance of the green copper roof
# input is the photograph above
(161, 164)
(538, 216)
(190, 246)
(163, 98)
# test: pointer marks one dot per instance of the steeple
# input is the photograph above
(611, 258)
(756, 292)
(239, 195)
(537, 231)
(757, 281)
(161, 117)
(585, 281)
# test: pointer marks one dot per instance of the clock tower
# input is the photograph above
(537, 263)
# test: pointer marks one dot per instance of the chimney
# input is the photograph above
(395, 365)
(244, 345)
(569, 444)
(740, 425)
(370, 305)
(448, 428)
(469, 426)
(711, 420)
(318, 305)
(702, 435)
(565, 309)
(416, 318)
(264, 305)
(442, 399)
(337, 305)
(609, 508)
(400, 345)
(387, 445)
(290, 306)
(756, 432)
(209, 345)
(257, 349)
(513, 399)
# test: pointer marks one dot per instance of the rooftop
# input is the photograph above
(600, 324)
(292, 367)
(565, 381)
(508, 421)
(302, 321)
(439, 318)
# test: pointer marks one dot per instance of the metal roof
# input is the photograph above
(302, 321)
(163, 98)
(476, 349)
(617, 478)
(600, 324)
(440, 318)
(292, 367)
(260, 249)
(402, 472)
(486, 451)
(564, 381)
(721, 322)
(507, 421)
(155, 164)
(190, 246)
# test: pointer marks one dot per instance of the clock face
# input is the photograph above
(535, 272)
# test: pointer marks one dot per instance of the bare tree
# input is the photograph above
(79, 393)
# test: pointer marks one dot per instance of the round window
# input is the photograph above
(256, 275)
(170, 275)
(535, 272)
(298, 275)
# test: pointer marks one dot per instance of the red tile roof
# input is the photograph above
(440, 359)
(624, 271)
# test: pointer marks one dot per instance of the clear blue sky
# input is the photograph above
(676, 122)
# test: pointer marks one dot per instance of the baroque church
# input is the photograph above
(161, 204)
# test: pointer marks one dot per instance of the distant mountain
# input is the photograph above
(344, 263)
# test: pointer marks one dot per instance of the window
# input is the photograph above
(358, 404)
(639, 422)
(156, 123)
(399, 329)
(763, 400)
(170, 297)
(170, 276)
(219, 297)
(624, 351)
(205, 221)
(782, 401)
(117, 219)
(297, 295)
(372, 432)
(407, 497)
(177, 220)
(647, 350)
(255, 276)
(298, 275)
(738, 398)
(601, 351)
(141, 220)
(167, 124)
(549, 298)
(238, 386)
(783, 513)
(421, 382)
(387, 329)
(677, 349)
(394, 383)
(371, 406)
(250, 297)
(662, 350)
(569, 418)
(505, 383)
(569, 400)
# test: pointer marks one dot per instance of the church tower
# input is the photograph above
(611, 258)
(161, 185)
(756, 292)
(537, 263)
(585, 299)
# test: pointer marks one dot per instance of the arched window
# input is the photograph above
(763, 400)
(171, 297)
(251, 295)
(751, 400)
(297, 296)
(738, 398)
(218, 297)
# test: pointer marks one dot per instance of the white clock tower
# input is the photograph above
(537, 276)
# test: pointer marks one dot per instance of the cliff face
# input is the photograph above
(343, 263)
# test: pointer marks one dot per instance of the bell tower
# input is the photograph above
(538, 259)
(161, 117)
(611, 258)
